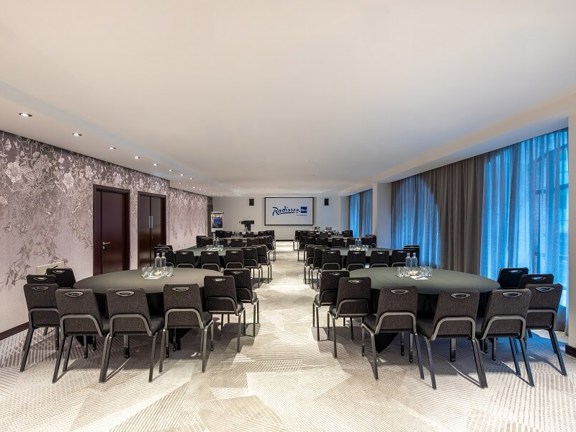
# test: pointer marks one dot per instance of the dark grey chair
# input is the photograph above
(536, 279)
(396, 313)
(220, 298)
(355, 260)
(506, 317)
(542, 313)
(251, 262)
(264, 260)
(185, 258)
(338, 242)
(398, 258)
(509, 277)
(64, 276)
(455, 317)
(210, 260)
(234, 258)
(130, 316)
(331, 260)
(79, 316)
(244, 292)
(316, 263)
(328, 292)
(236, 242)
(42, 313)
(183, 310)
(352, 301)
(379, 258)
(308, 261)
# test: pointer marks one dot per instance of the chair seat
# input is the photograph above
(156, 323)
(349, 310)
(390, 323)
(425, 326)
(243, 297)
(105, 328)
(327, 301)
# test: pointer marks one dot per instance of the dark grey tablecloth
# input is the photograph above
(133, 279)
(441, 280)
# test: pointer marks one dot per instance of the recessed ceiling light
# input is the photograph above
(112, 148)
(170, 169)
(190, 178)
(25, 114)
(136, 157)
(181, 175)
(76, 134)
(155, 164)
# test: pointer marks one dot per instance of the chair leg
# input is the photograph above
(334, 350)
(85, 341)
(254, 309)
(152, 355)
(374, 355)
(401, 343)
(58, 359)
(351, 329)
(556, 348)
(452, 349)
(239, 333)
(328, 325)
(410, 347)
(56, 339)
(479, 365)
(526, 362)
(430, 363)
(418, 355)
(26, 348)
(163, 350)
(212, 336)
(105, 357)
(513, 350)
(362, 347)
(494, 341)
(65, 368)
(204, 337)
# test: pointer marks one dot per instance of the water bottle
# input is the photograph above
(408, 261)
(414, 260)
(157, 261)
(163, 260)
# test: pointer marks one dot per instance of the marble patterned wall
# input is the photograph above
(46, 209)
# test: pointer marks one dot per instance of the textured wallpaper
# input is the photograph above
(46, 204)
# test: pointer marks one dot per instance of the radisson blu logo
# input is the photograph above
(302, 211)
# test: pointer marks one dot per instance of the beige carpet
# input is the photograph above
(282, 380)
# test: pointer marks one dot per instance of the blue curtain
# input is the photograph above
(366, 212)
(525, 209)
(355, 214)
(415, 218)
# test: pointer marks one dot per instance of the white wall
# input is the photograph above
(236, 209)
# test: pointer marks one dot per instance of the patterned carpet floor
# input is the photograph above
(282, 380)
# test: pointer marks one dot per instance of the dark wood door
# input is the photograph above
(111, 230)
(151, 226)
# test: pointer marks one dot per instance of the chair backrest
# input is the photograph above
(64, 276)
(379, 258)
(220, 294)
(209, 258)
(41, 303)
(398, 256)
(331, 259)
(183, 296)
(202, 241)
(309, 254)
(128, 302)
(369, 240)
(184, 257)
(455, 314)
(41, 279)
(323, 241)
(234, 258)
(250, 256)
(356, 257)
(535, 279)
(397, 309)
(236, 242)
(329, 281)
(243, 283)
(252, 241)
(338, 242)
(544, 302)
(347, 233)
(509, 277)
(506, 313)
(262, 252)
(354, 296)
(78, 310)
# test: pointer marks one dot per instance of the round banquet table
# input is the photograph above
(428, 290)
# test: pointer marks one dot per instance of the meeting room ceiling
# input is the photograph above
(283, 97)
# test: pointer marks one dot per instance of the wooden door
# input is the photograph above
(151, 226)
(111, 230)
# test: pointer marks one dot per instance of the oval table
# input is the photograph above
(428, 290)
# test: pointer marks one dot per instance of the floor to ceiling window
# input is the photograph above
(525, 211)
(360, 205)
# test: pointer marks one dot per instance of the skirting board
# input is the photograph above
(13, 331)
(571, 351)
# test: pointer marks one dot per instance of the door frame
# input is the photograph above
(97, 221)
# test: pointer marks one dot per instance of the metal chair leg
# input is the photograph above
(105, 358)
(58, 359)
(513, 350)
(163, 350)
(556, 347)
(26, 348)
(152, 355)
(334, 350)
(430, 363)
(419, 356)
(65, 368)
(479, 365)
(526, 362)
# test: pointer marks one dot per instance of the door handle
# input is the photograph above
(104, 244)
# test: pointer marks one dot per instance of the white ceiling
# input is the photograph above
(279, 97)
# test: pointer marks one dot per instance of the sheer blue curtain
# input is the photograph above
(366, 212)
(415, 218)
(525, 209)
(355, 214)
